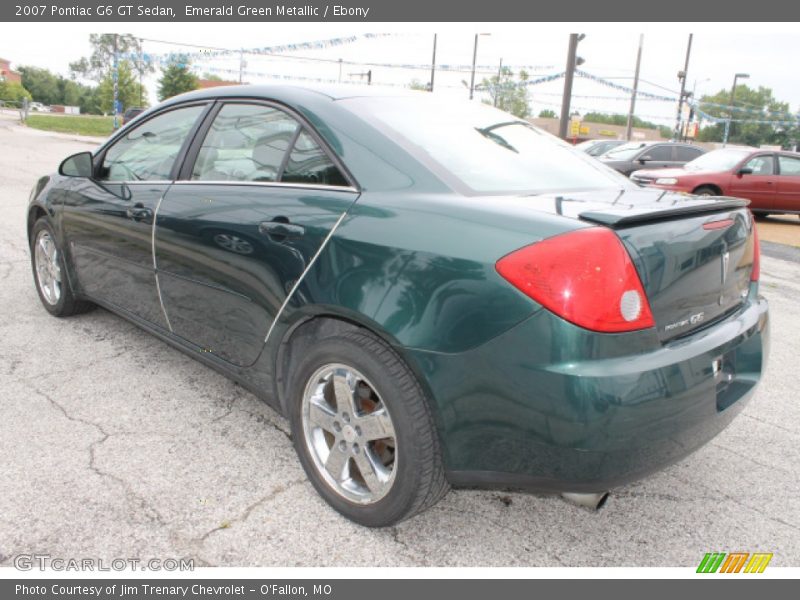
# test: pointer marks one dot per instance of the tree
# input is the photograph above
(593, 117)
(129, 91)
(507, 94)
(44, 86)
(101, 61)
(211, 77)
(176, 78)
(416, 84)
(749, 104)
(11, 91)
(547, 113)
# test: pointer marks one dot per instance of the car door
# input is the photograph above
(755, 180)
(659, 156)
(788, 196)
(108, 219)
(234, 236)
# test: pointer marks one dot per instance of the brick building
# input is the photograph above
(6, 74)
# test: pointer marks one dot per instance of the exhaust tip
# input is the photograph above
(594, 501)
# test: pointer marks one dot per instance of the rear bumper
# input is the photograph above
(551, 407)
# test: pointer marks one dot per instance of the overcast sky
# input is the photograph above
(766, 51)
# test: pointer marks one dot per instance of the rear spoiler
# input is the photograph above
(622, 217)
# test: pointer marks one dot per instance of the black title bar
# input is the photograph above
(398, 11)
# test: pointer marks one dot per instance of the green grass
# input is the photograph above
(79, 124)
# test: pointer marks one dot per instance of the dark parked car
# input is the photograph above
(598, 147)
(433, 293)
(131, 114)
(632, 156)
(769, 180)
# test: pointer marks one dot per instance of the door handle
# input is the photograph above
(138, 212)
(281, 230)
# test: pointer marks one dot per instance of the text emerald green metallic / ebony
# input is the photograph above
(432, 292)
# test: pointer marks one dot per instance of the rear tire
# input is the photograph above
(50, 273)
(363, 430)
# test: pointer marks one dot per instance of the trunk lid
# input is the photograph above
(694, 255)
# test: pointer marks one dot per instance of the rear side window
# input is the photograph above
(246, 142)
(250, 142)
(685, 154)
(309, 164)
(761, 165)
(148, 152)
(789, 165)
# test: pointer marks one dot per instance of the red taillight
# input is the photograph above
(756, 272)
(586, 277)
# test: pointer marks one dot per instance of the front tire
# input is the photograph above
(705, 190)
(49, 273)
(363, 430)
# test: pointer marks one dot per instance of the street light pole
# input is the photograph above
(729, 123)
(569, 75)
(682, 77)
(629, 126)
(433, 63)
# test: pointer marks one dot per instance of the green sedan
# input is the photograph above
(434, 293)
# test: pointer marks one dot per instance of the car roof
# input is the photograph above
(291, 92)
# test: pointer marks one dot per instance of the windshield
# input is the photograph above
(626, 151)
(478, 149)
(717, 160)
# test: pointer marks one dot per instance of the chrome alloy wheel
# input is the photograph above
(48, 269)
(349, 434)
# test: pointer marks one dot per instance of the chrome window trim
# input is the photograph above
(269, 184)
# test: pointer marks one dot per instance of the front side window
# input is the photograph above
(657, 153)
(148, 152)
(789, 165)
(761, 165)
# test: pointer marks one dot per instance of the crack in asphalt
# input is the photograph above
(245, 514)
(137, 499)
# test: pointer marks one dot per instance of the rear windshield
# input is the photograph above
(717, 160)
(625, 151)
(481, 150)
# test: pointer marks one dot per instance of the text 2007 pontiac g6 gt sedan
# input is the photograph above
(433, 294)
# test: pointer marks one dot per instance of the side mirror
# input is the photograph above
(77, 165)
(744, 171)
(645, 158)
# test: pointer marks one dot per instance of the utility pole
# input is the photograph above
(682, 76)
(340, 70)
(474, 59)
(115, 77)
(729, 122)
(569, 75)
(497, 87)
(433, 63)
(241, 64)
(635, 89)
(141, 70)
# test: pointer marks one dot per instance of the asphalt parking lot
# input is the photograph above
(115, 445)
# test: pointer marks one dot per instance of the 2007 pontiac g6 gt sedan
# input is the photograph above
(433, 293)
